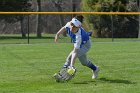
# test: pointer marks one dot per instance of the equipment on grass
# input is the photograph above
(65, 74)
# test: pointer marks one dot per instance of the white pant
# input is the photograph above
(81, 55)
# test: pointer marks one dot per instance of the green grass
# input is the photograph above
(49, 38)
(17, 39)
(29, 68)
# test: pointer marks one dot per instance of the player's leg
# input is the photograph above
(68, 60)
(85, 62)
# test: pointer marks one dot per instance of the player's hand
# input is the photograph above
(56, 39)
(71, 67)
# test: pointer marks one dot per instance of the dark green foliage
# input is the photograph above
(123, 25)
(14, 6)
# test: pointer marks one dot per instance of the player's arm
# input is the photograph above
(73, 57)
(63, 29)
(75, 50)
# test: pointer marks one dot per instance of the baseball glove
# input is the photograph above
(63, 75)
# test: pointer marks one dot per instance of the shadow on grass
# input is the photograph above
(117, 81)
(84, 82)
(106, 80)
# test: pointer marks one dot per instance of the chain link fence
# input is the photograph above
(28, 30)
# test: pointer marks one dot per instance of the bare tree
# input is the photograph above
(59, 4)
(24, 25)
(138, 2)
(73, 7)
(39, 30)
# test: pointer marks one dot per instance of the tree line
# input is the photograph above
(123, 25)
(101, 25)
(38, 24)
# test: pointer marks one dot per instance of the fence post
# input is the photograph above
(28, 29)
(112, 30)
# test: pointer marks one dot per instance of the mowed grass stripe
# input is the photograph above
(29, 68)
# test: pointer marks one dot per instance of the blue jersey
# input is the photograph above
(78, 38)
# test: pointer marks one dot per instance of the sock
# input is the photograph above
(65, 66)
(93, 67)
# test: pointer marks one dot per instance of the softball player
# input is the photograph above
(81, 42)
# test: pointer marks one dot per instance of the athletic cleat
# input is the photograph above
(95, 73)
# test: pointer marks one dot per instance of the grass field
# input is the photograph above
(49, 38)
(29, 68)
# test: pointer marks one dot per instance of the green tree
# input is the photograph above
(121, 24)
